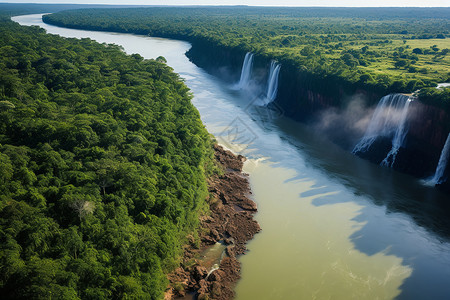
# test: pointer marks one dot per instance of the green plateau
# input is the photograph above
(382, 49)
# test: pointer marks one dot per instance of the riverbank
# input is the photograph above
(230, 224)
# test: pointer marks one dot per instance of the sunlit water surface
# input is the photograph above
(334, 226)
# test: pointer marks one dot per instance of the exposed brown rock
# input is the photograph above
(231, 222)
(228, 159)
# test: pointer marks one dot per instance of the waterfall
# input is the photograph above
(389, 119)
(246, 71)
(443, 160)
(272, 82)
(399, 137)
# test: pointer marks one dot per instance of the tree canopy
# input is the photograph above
(103, 163)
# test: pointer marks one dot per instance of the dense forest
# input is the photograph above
(15, 9)
(383, 49)
(103, 163)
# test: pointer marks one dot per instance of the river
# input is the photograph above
(333, 225)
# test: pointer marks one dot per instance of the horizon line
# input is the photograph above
(219, 5)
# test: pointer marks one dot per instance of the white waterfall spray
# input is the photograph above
(438, 177)
(272, 82)
(399, 137)
(246, 71)
(389, 119)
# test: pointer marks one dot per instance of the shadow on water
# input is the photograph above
(404, 198)
(399, 193)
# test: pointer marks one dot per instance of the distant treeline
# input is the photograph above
(103, 166)
(382, 49)
(15, 9)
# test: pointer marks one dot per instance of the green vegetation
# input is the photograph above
(437, 97)
(386, 49)
(15, 9)
(103, 163)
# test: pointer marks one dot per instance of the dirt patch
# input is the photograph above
(230, 222)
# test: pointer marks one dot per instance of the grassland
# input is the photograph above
(388, 49)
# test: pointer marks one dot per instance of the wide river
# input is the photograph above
(334, 226)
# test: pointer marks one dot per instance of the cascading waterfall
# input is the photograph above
(389, 119)
(272, 82)
(399, 137)
(443, 160)
(246, 71)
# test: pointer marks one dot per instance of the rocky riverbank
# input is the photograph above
(229, 223)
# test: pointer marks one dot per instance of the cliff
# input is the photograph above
(305, 98)
(309, 97)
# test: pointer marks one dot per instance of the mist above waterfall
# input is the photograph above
(352, 122)
(399, 136)
(388, 120)
(250, 81)
(360, 125)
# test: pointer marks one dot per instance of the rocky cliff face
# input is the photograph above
(304, 97)
(428, 130)
(429, 125)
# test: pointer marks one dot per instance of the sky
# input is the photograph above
(335, 3)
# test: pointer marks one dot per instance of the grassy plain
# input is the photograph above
(395, 49)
